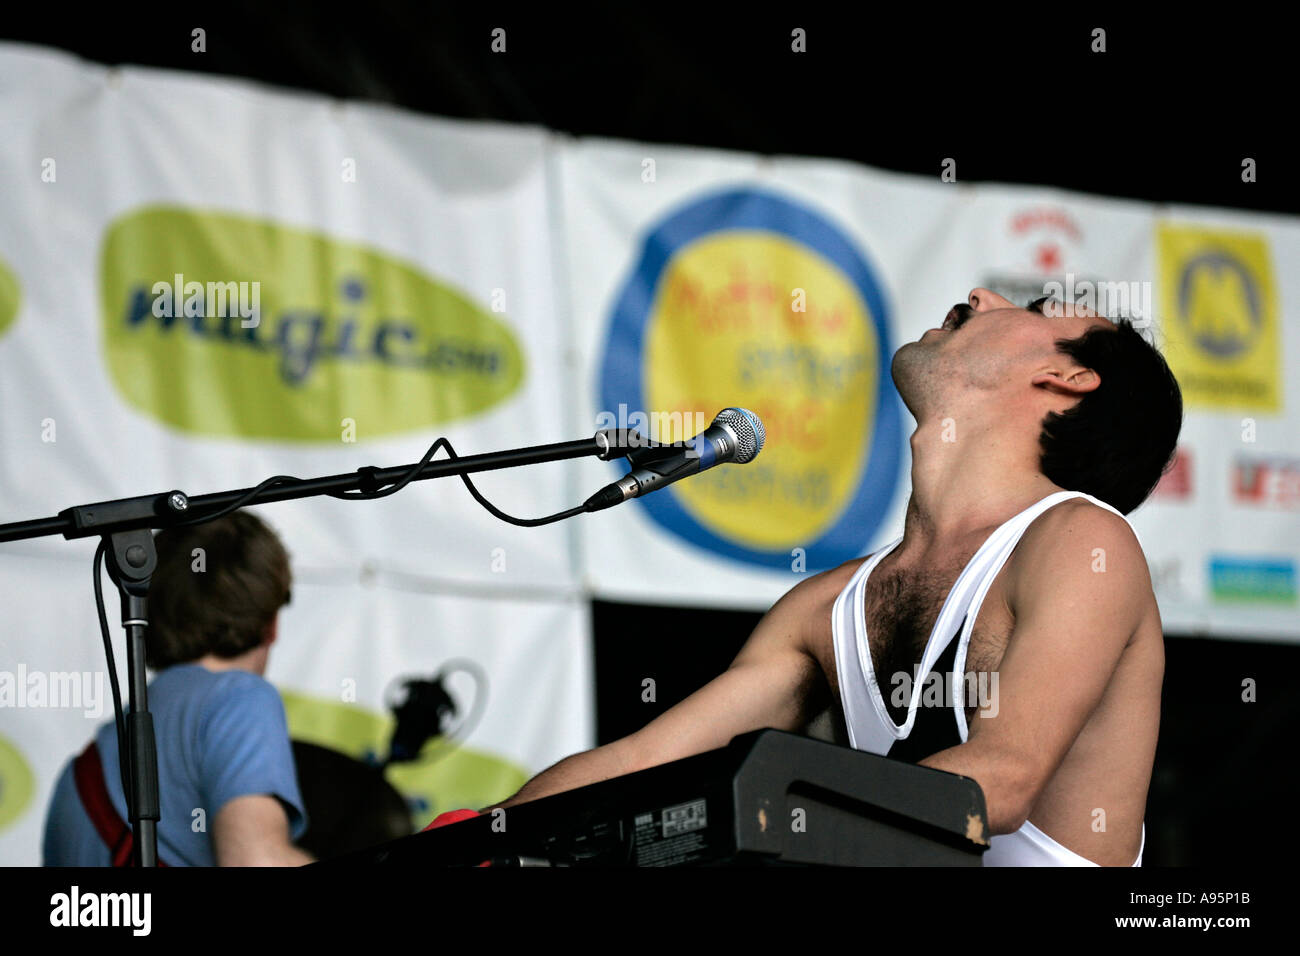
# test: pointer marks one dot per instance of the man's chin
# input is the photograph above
(908, 369)
(909, 352)
(901, 362)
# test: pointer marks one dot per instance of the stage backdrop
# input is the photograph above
(205, 282)
(391, 281)
(702, 279)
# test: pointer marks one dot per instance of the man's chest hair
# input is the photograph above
(901, 610)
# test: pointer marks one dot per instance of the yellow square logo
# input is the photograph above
(1220, 318)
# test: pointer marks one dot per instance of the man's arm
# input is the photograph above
(1076, 609)
(773, 682)
(247, 771)
(253, 830)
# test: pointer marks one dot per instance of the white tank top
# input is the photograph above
(869, 724)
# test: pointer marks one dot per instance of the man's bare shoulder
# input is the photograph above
(1077, 522)
(1080, 546)
(802, 615)
(813, 602)
(826, 586)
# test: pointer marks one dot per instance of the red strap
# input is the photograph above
(450, 817)
(88, 771)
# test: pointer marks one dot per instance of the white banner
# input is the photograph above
(403, 278)
(700, 279)
(204, 283)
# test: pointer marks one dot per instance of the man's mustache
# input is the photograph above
(957, 316)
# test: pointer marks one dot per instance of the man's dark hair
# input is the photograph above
(217, 587)
(1121, 437)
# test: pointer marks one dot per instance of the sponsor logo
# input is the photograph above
(1043, 242)
(1220, 316)
(11, 297)
(1253, 580)
(1044, 235)
(1176, 483)
(220, 324)
(1267, 483)
(746, 298)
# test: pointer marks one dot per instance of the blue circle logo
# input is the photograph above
(746, 298)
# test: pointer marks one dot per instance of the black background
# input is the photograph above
(1166, 115)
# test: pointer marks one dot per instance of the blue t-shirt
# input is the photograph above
(221, 735)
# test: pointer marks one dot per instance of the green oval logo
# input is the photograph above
(220, 324)
(11, 297)
(17, 783)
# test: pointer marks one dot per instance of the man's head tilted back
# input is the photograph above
(1090, 399)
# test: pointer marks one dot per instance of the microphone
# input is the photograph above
(735, 435)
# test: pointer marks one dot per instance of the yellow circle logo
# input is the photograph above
(756, 320)
(746, 298)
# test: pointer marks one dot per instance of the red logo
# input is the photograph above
(1045, 236)
(1046, 217)
(1048, 257)
(1267, 483)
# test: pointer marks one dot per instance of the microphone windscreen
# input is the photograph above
(748, 429)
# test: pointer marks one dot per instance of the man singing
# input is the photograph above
(1038, 430)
